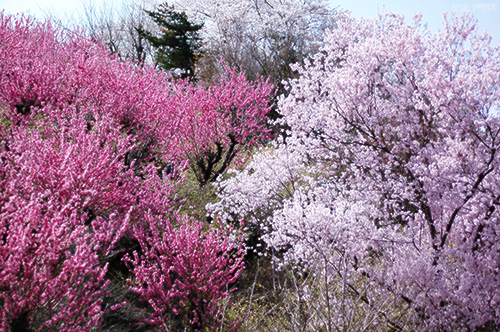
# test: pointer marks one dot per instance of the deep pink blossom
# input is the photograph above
(83, 139)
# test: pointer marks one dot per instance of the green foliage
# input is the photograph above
(178, 45)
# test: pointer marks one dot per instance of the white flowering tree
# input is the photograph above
(261, 37)
(388, 184)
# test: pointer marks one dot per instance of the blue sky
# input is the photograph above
(486, 11)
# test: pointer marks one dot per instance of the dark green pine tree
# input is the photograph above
(178, 44)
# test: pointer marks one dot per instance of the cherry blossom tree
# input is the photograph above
(259, 37)
(389, 174)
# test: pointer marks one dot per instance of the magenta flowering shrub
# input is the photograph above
(174, 119)
(389, 175)
(63, 205)
(82, 138)
(51, 275)
(220, 121)
(183, 273)
(41, 66)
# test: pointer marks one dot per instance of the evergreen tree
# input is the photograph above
(179, 43)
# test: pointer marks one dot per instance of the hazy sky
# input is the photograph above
(41, 7)
(486, 11)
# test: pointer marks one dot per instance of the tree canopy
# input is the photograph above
(387, 185)
(178, 45)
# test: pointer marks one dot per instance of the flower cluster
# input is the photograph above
(83, 138)
(389, 174)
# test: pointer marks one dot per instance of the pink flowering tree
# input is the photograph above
(185, 273)
(42, 66)
(389, 176)
(170, 121)
(65, 203)
(221, 121)
(81, 138)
